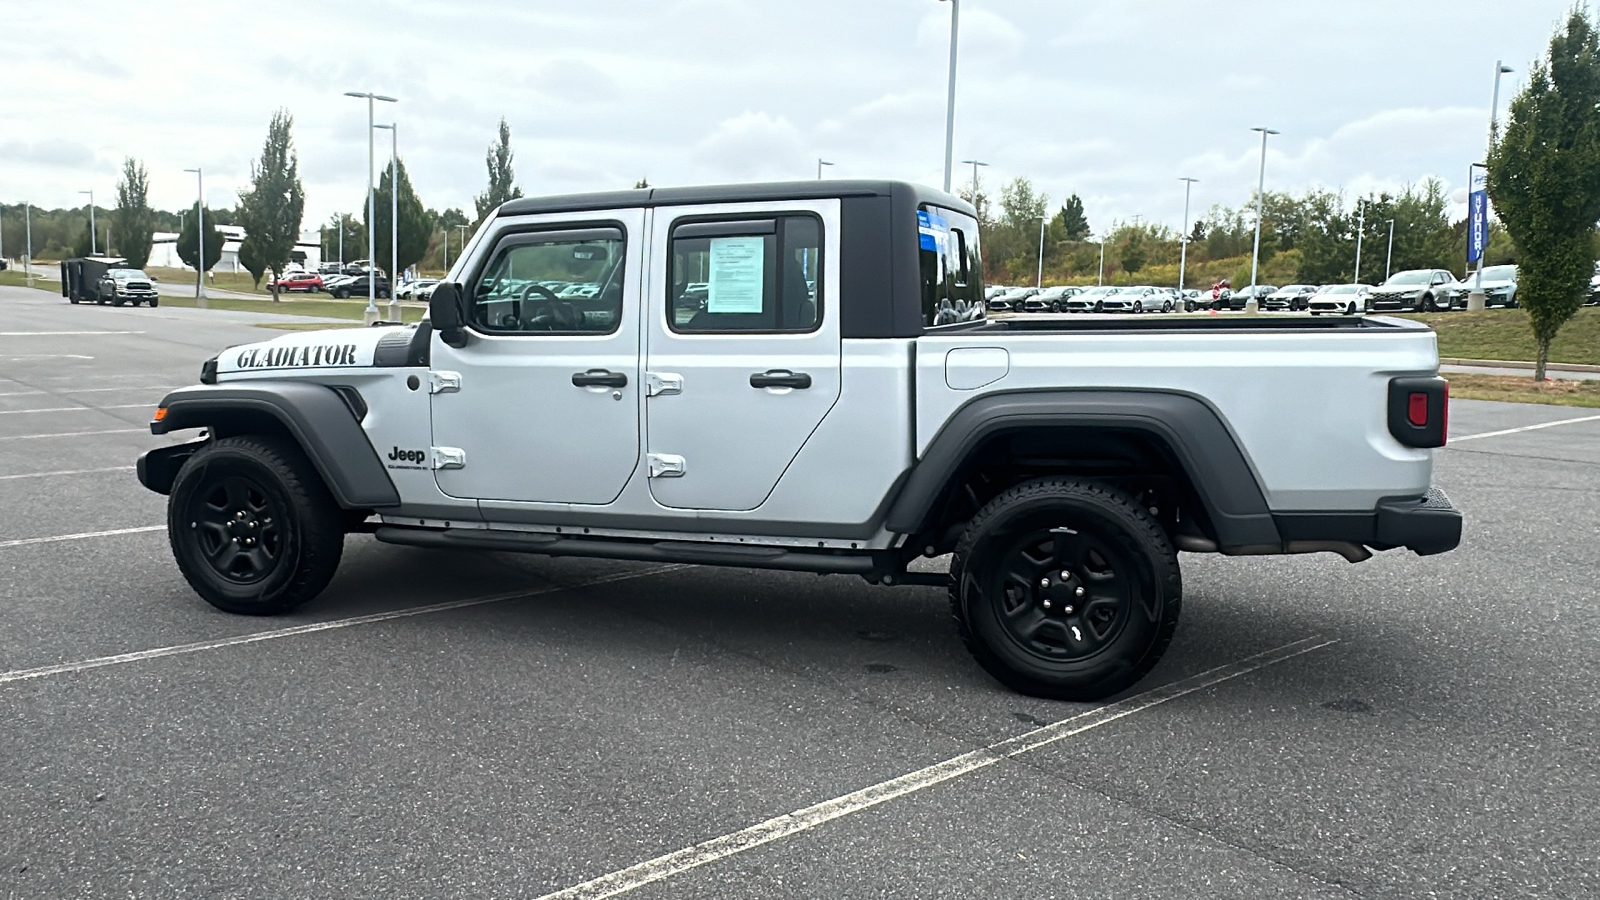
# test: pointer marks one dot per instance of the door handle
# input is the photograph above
(780, 378)
(599, 378)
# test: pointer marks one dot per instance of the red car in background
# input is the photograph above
(310, 282)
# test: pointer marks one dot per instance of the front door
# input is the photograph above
(541, 405)
(742, 353)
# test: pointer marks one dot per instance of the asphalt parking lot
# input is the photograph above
(463, 724)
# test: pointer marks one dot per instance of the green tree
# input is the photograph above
(86, 242)
(1074, 224)
(415, 229)
(1544, 179)
(250, 257)
(355, 236)
(641, 184)
(1133, 253)
(502, 185)
(188, 242)
(131, 223)
(273, 207)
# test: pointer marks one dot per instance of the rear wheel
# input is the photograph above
(252, 526)
(1065, 589)
(116, 301)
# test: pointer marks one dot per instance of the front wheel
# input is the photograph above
(1138, 307)
(154, 302)
(1350, 310)
(1065, 589)
(1099, 307)
(252, 526)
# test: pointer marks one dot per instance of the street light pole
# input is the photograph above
(94, 248)
(462, 242)
(1261, 186)
(370, 315)
(950, 106)
(394, 219)
(975, 164)
(1389, 260)
(200, 238)
(1043, 221)
(1361, 227)
(820, 163)
(1476, 299)
(1183, 241)
(27, 259)
(1100, 276)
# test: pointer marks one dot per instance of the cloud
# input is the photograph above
(983, 33)
(753, 145)
(49, 152)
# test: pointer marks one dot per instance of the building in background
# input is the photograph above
(307, 251)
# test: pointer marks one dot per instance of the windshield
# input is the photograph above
(1098, 292)
(126, 274)
(1339, 289)
(1421, 276)
(1500, 273)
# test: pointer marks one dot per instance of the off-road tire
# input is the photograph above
(290, 517)
(154, 302)
(1102, 521)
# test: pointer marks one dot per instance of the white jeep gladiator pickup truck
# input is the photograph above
(802, 376)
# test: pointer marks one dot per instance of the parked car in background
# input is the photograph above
(1140, 299)
(1291, 297)
(1011, 300)
(357, 266)
(308, 282)
(1594, 285)
(1236, 300)
(330, 268)
(1499, 287)
(357, 287)
(994, 290)
(1347, 299)
(1417, 290)
(1050, 299)
(1091, 300)
(1173, 294)
(1193, 299)
(408, 291)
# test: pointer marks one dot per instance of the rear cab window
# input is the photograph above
(951, 267)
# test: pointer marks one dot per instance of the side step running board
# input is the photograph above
(864, 563)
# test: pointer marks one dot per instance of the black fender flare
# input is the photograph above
(321, 420)
(1202, 444)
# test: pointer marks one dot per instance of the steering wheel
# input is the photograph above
(551, 313)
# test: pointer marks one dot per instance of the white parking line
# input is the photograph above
(45, 356)
(14, 412)
(637, 876)
(1487, 434)
(67, 472)
(29, 437)
(255, 637)
(59, 333)
(23, 542)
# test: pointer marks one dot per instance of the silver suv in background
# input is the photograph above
(1418, 290)
(1499, 287)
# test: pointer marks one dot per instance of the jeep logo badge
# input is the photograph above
(407, 456)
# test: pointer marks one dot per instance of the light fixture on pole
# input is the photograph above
(1261, 185)
(1389, 260)
(370, 315)
(1361, 227)
(199, 238)
(94, 249)
(394, 218)
(950, 105)
(1183, 240)
(820, 163)
(974, 163)
(1043, 221)
(1475, 299)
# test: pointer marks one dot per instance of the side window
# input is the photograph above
(556, 282)
(952, 267)
(746, 275)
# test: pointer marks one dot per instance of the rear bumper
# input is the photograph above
(1425, 525)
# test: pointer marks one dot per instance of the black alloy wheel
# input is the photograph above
(1099, 307)
(1065, 589)
(252, 527)
(1138, 306)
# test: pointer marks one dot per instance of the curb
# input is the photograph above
(1516, 364)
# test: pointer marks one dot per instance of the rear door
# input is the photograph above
(541, 405)
(742, 347)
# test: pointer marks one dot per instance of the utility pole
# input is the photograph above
(1388, 261)
(370, 315)
(1043, 220)
(1361, 227)
(27, 261)
(1100, 277)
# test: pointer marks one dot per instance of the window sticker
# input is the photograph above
(933, 231)
(737, 275)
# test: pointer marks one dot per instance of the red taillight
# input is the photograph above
(1417, 409)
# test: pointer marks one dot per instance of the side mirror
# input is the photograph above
(448, 315)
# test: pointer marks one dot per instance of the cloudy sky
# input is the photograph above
(1110, 99)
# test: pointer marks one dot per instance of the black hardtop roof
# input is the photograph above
(735, 193)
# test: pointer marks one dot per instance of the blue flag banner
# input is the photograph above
(1478, 216)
